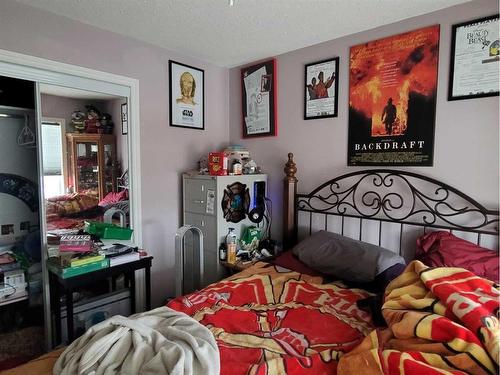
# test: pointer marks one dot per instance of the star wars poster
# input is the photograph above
(392, 100)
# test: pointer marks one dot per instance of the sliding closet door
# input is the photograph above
(43, 71)
(21, 302)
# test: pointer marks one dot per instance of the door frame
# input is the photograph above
(40, 70)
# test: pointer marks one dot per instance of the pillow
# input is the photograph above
(113, 197)
(441, 249)
(288, 260)
(343, 257)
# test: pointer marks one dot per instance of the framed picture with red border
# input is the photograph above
(259, 105)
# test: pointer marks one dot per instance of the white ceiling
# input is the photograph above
(250, 30)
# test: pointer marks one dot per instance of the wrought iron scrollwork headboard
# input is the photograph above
(384, 195)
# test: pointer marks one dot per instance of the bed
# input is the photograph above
(272, 319)
(69, 212)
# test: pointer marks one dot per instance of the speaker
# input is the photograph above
(256, 214)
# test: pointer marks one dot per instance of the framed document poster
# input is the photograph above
(259, 99)
(392, 99)
(474, 69)
(321, 89)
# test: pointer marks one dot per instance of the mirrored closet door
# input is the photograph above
(85, 159)
(65, 159)
(22, 327)
(85, 174)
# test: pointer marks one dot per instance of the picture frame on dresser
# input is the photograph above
(321, 88)
(187, 96)
(475, 59)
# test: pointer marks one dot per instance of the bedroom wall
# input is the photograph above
(165, 151)
(466, 151)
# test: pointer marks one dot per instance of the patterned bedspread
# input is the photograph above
(441, 321)
(271, 322)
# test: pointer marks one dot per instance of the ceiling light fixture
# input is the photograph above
(231, 3)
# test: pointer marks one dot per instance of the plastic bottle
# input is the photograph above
(231, 246)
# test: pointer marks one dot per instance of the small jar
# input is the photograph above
(237, 167)
(222, 252)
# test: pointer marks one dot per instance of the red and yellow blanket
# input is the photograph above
(441, 321)
(271, 322)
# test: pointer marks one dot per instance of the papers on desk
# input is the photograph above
(121, 259)
(119, 254)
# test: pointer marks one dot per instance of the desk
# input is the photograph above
(59, 286)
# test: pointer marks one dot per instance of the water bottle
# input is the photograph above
(231, 246)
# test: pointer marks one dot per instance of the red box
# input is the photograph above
(217, 163)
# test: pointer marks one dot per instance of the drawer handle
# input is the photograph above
(199, 201)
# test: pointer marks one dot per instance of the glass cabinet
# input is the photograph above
(91, 164)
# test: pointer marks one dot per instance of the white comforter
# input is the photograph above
(160, 341)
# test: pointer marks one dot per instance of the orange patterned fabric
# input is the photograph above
(441, 321)
(71, 204)
(272, 322)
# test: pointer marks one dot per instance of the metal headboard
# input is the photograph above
(399, 197)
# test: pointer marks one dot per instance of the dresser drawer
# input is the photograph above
(200, 196)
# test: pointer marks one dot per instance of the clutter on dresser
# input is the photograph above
(234, 160)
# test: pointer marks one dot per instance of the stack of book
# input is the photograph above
(77, 255)
(78, 265)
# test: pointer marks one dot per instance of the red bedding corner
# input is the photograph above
(443, 249)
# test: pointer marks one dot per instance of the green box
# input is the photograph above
(108, 231)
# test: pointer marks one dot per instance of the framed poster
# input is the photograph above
(392, 99)
(124, 113)
(259, 99)
(187, 96)
(321, 89)
(475, 61)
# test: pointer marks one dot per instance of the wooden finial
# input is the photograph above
(290, 168)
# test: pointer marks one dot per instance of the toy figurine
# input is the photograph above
(78, 121)
(92, 123)
(106, 124)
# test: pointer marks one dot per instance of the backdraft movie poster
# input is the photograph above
(392, 99)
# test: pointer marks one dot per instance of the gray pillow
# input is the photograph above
(343, 257)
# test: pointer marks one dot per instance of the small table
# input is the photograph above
(66, 286)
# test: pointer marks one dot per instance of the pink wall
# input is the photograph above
(165, 151)
(466, 152)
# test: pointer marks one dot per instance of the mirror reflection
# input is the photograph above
(85, 159)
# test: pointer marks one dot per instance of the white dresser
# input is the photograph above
(202, 207)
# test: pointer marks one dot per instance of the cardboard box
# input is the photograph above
(217, 163)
